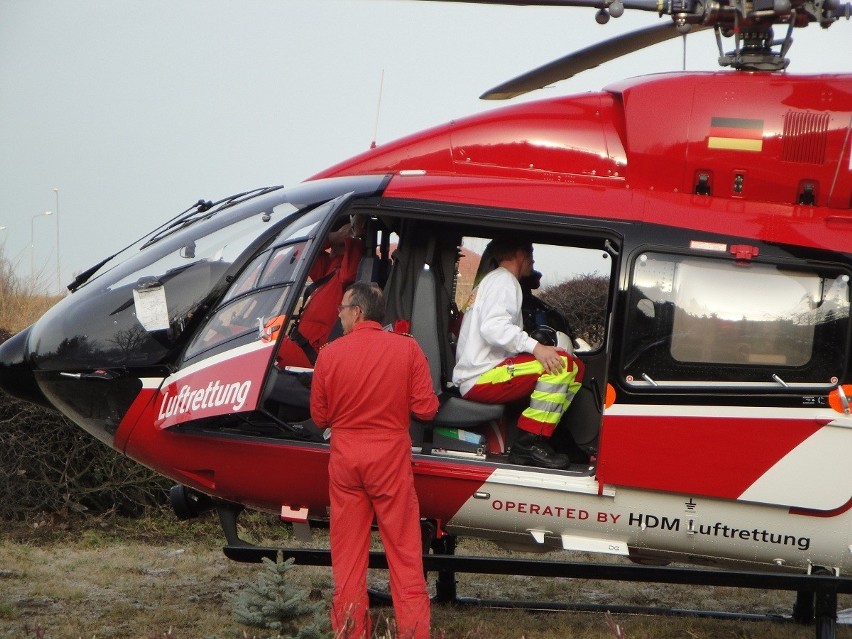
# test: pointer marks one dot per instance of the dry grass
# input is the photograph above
(19, 311)
(21, 300)
(162, 578)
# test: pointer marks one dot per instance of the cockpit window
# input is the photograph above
(269, 268)
(282, 265)
(255, 297)
(700, 320)
(244, 317)
(259, 292)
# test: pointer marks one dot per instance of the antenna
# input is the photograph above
(378, 108)
(683, 37)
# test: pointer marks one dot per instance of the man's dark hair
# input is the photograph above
(369, 297)
(504, 248)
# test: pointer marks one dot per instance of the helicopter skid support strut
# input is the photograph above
(816, 599)
(820, 589)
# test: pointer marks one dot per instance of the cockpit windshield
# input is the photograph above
(139, 308)
(135, 313)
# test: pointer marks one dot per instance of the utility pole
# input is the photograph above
(58, 278)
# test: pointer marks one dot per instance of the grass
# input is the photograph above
(157, 577)
(15, 309)
(22, 300)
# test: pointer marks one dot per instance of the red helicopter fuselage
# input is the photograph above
(713, 211)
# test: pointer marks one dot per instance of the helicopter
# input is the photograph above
(714, 414)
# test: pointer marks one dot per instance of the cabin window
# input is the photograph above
(574, 282)
(695, 320)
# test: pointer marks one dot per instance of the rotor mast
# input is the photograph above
(749, 22)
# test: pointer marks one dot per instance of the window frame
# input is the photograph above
(728, 376)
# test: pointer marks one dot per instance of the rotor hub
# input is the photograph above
(753, 51)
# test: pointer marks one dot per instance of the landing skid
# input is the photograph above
(383, 598)
(816, 593)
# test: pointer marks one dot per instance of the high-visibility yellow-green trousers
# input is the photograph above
(523, 376)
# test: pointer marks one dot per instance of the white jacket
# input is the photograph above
(491, 329)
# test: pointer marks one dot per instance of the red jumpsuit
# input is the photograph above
(365, 386)
(320, 313)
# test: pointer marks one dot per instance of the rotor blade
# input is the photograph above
(588, 58)
(644, 5)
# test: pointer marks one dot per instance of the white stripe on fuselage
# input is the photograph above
(816, 473)
(219, 358)
(721, 412)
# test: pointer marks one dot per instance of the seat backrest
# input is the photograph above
(366, 268)
(427, 329)
(424, 322)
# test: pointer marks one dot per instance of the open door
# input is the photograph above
(225, 365)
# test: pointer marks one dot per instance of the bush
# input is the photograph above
(47, 464)
(583, 302)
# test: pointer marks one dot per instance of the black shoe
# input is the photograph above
(534, 450)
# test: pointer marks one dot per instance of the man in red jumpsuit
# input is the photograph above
(366, 384)
(333, 270)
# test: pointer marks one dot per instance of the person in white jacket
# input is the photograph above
(498, 362)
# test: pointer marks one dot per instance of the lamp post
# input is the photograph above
(58, 278)
(32, 242)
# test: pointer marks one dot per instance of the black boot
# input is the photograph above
(534, 449)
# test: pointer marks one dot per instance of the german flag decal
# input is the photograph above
(736, 134)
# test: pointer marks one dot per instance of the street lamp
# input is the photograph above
(58, 278)
(32, 241)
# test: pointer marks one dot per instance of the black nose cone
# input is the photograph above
(16, 375)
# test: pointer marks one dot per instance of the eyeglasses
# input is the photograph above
(340, 307)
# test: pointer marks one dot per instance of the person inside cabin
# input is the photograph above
(545, 324)
(498, 362)
(334, 269)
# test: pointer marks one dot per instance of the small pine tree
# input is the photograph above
(273, 603)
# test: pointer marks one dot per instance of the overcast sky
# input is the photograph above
(135, 109)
